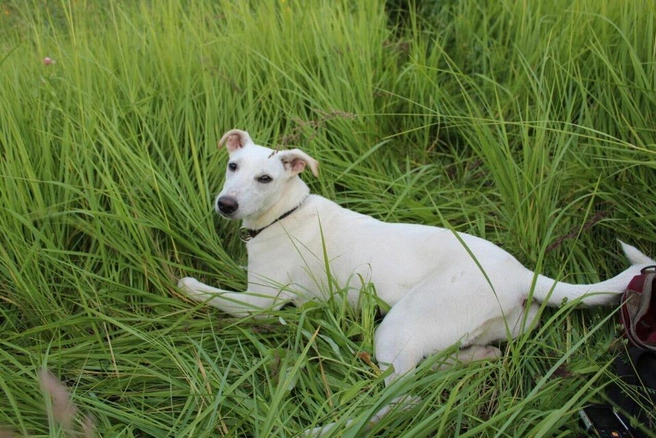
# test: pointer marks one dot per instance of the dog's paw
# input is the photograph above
(322, 430)
(187, 283)
(191, 288)
(402, 403)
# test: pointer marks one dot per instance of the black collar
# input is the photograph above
(247, 234)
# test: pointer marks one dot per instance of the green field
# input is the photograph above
(529, 123)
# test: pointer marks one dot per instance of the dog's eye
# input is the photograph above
(264, 179)
(232, 166)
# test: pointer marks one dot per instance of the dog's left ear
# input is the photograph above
(296, 160)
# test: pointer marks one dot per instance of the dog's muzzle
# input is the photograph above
(226, 205)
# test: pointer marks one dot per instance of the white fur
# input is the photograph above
(443, 287)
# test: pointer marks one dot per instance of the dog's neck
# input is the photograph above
(292, 197)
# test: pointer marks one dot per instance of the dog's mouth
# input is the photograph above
(224, 215)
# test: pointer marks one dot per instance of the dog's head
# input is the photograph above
(257, 178)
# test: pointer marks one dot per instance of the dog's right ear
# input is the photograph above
(235, 139)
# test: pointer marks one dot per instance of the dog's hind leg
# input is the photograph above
(421, 324)
(398, 347)
(466, 355)
(414, 328)
(238, 304)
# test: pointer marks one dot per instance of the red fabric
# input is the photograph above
(639, 316)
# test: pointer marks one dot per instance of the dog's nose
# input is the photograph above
(227, 204)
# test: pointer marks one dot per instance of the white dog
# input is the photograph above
(442, 287)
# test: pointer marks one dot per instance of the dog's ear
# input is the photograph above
(235, 139)
(296, 160)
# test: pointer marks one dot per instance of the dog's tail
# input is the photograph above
(555, 292)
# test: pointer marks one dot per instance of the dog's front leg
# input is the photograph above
(238, 304)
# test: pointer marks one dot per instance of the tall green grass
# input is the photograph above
(527, 123)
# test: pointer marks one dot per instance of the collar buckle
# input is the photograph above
(245, 234)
